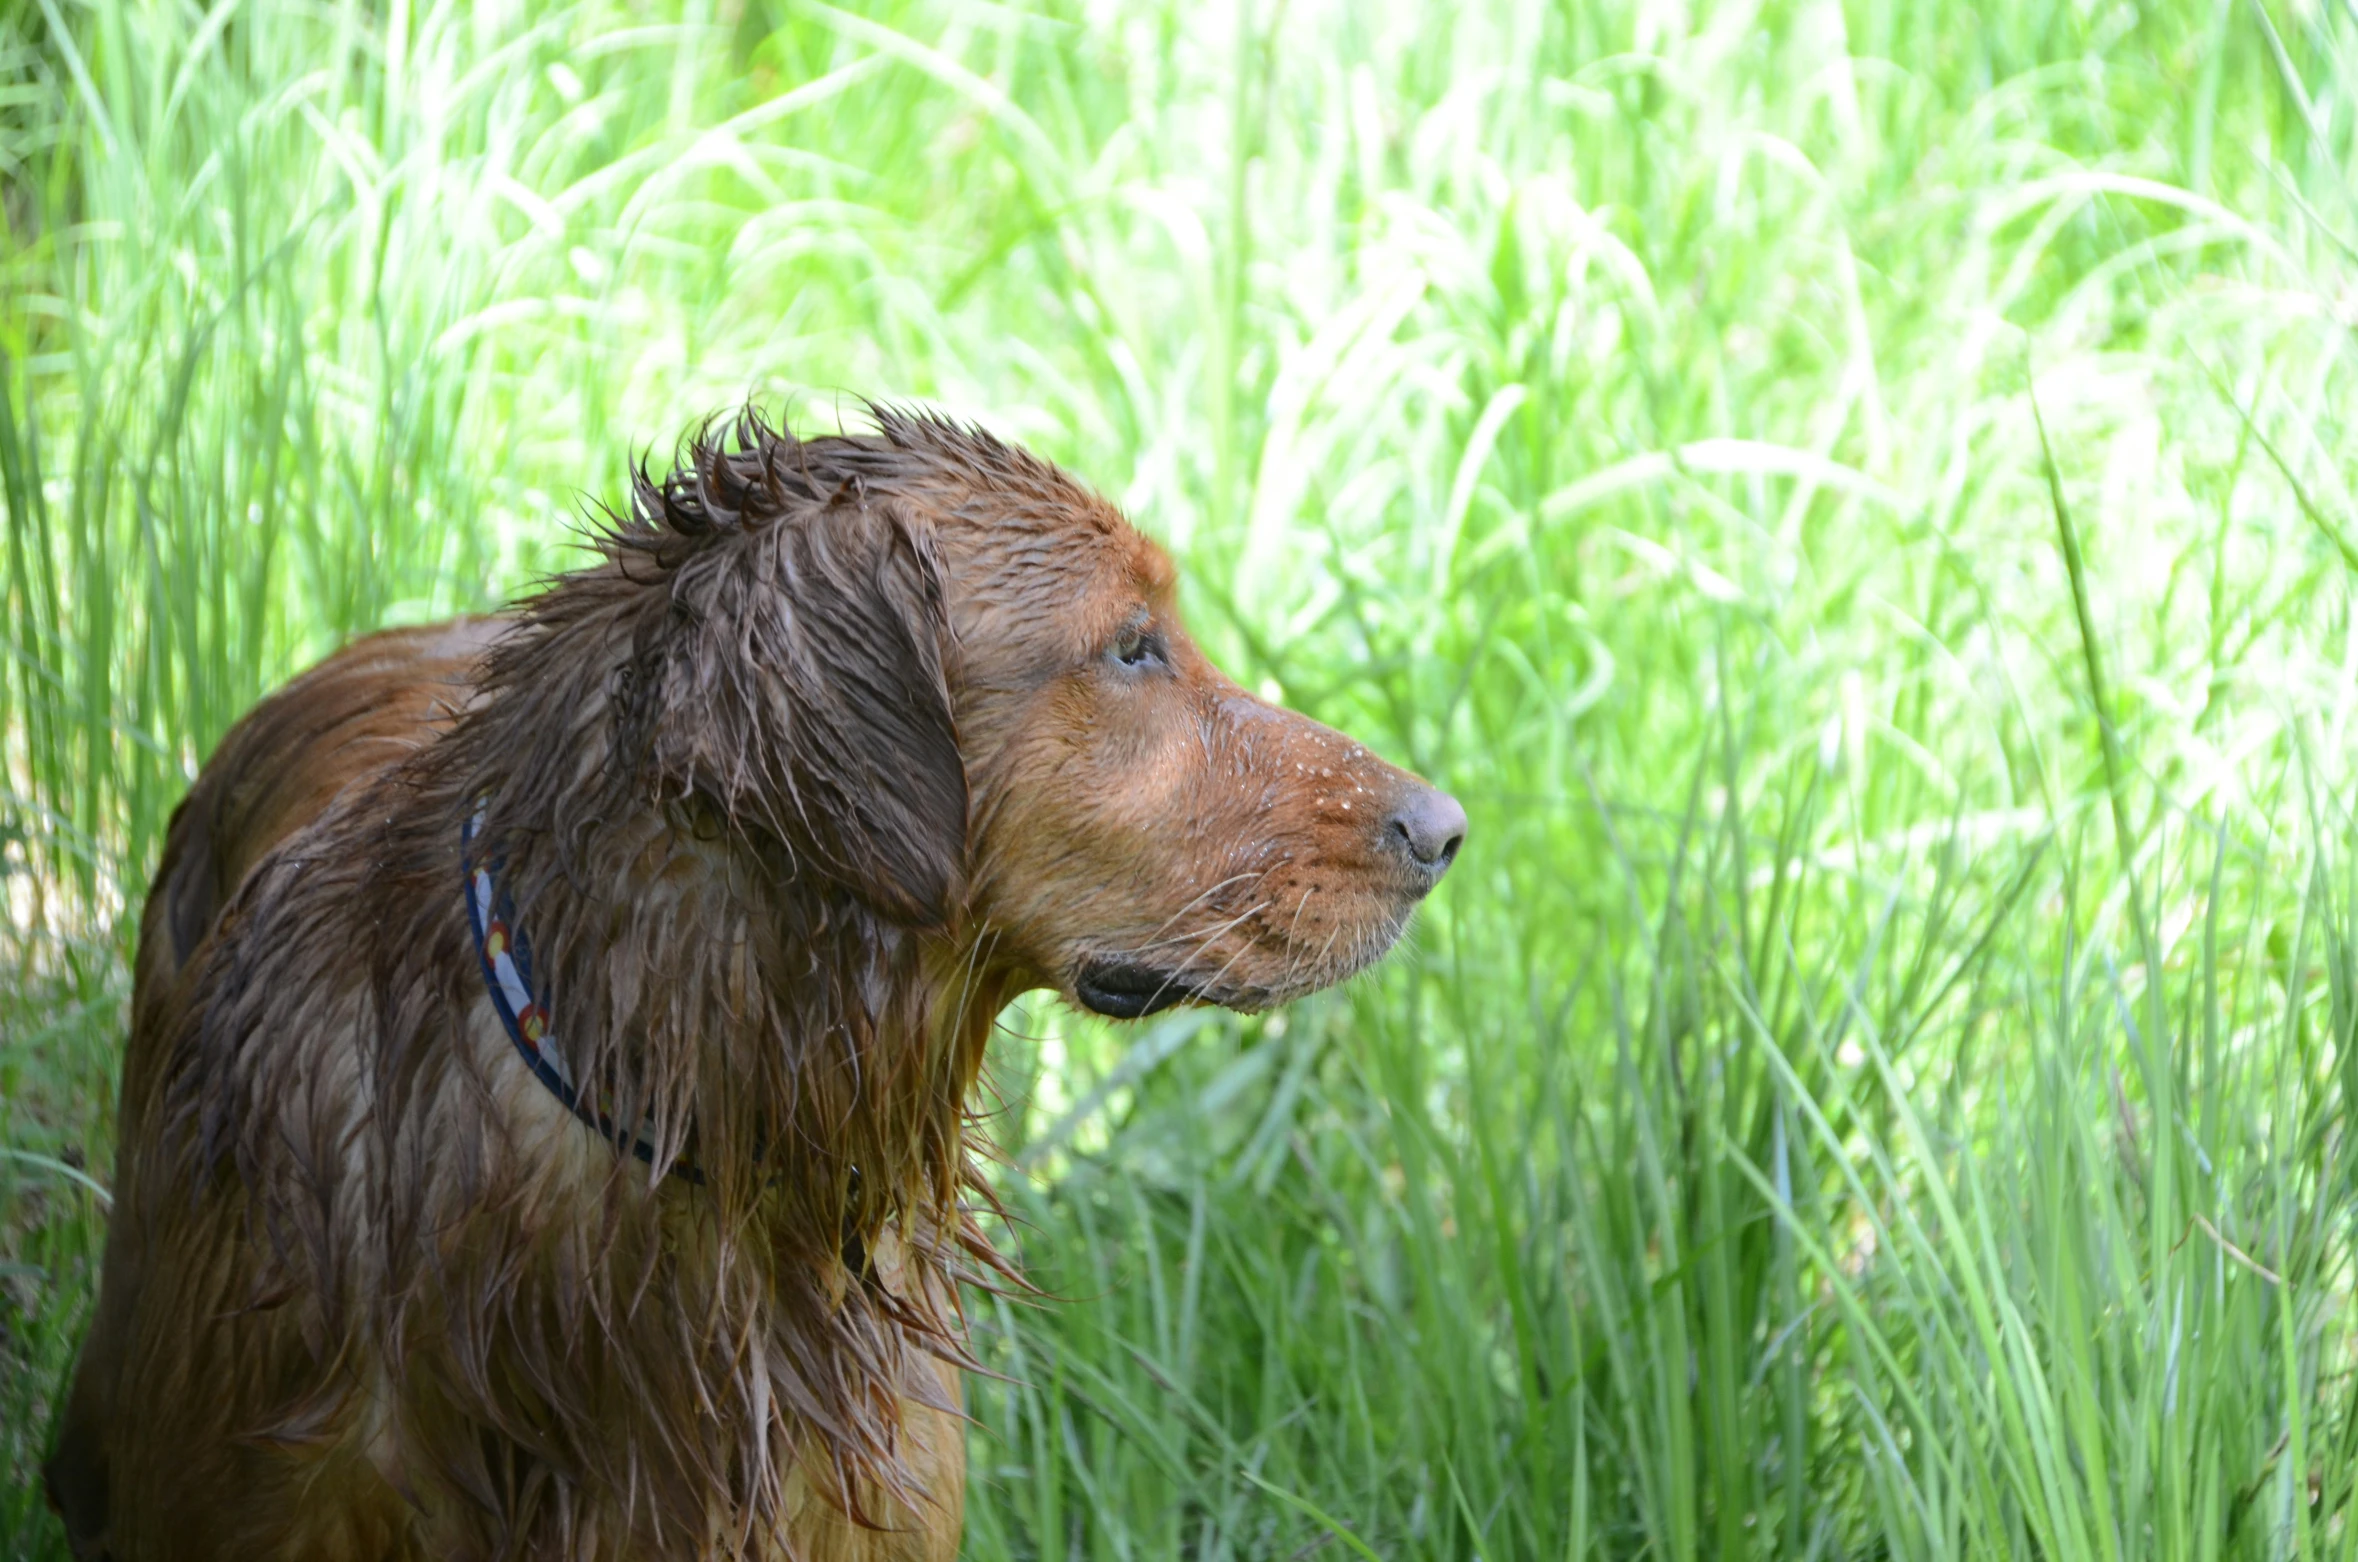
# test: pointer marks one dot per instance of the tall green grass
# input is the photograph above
(1856, 500)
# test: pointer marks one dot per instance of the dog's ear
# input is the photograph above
(804, 693)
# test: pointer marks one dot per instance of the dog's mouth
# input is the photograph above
(1125, 990)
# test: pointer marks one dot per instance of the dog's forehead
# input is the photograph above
(1124, 571)
(1152, 574)
(1061, 577)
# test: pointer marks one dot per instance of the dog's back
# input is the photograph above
(277, 770)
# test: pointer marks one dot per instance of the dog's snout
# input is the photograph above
(1426, 826)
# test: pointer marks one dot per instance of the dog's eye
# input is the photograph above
(1138, 646)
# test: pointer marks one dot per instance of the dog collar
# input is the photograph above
(507, 976)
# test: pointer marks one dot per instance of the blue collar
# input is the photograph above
(507, 976)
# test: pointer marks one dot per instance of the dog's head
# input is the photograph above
(953, 681)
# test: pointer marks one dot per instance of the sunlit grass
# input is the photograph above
(1861, 1093)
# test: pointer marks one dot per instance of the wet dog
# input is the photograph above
(544, 1127)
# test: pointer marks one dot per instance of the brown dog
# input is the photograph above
(543, 1129)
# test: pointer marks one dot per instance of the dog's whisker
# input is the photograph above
(1201, 939)
(1209, 939)
(1213, 983)
(1198, 935)
(1203, 895)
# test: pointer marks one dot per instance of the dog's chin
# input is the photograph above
(1123, 987)
(1126, 990)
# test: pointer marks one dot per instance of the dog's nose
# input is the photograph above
(1427, 826)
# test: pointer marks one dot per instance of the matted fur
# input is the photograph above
(842, 743)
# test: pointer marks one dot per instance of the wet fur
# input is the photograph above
(762, 788)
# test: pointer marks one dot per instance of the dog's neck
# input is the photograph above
(810, 1055)
(810, 1051)
(700, 976)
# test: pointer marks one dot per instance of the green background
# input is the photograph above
(1856, 499)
